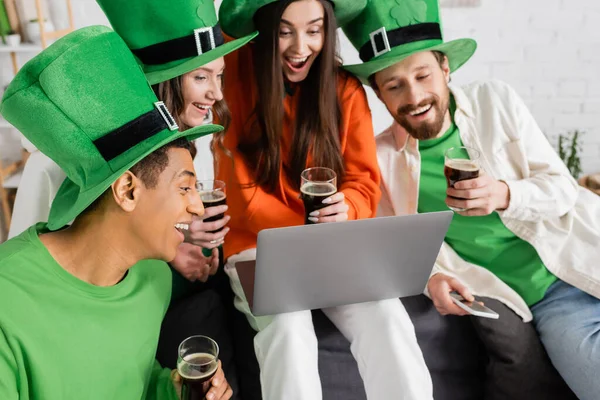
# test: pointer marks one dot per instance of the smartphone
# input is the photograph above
(473, 308)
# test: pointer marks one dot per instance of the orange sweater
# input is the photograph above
(253, 209)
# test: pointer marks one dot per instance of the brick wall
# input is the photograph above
(549, 50)
(85, 12)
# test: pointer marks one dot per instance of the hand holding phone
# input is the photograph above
(473, 308)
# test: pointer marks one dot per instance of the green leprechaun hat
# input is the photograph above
(170, 38)
(237, 16)
(388, 31)
(86, 104)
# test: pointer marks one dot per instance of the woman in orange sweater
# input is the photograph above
(292, 108)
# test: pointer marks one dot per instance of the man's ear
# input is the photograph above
(446, 69)
(126, 191)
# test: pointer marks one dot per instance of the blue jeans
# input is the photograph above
(568, 321)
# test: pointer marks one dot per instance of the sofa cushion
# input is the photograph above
(452, 351)
(338, 370)
(201, 313)
(517, 365)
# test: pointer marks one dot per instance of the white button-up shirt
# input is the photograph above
(560, 219)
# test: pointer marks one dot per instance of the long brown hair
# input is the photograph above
(171, 93)
(317, 124)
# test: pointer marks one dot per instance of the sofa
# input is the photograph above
(468, 357)
(454, 355)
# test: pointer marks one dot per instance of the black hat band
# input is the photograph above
(201, 41)
(118, 141)
(382, 41)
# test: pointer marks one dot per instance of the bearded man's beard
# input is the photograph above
(427, 129)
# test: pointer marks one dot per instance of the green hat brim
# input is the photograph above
(70, 201)
(237, 19)
(161, 73)
(458, 51)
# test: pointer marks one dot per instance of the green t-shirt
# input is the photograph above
(484, 240)
(62, 338)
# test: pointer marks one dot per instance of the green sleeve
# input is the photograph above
(8, 371)
(161, 386)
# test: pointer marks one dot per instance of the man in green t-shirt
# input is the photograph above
(528, 235)
(82, 305)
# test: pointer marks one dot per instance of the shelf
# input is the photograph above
(58, 34)
(12, 182)
(22, 48)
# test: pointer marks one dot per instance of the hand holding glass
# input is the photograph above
(461, 163)
(197, 363)
(316, 184)
(212, 194)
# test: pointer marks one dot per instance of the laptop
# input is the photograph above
(326, 265)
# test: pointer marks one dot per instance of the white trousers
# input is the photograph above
(382, 340)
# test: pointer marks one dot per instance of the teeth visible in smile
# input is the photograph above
(202, 107)
(183, 227)
(297, 60)
(420, 110)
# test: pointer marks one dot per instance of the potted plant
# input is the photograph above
(569, 150)
(33, 29)
(3, 30)
(13, 39)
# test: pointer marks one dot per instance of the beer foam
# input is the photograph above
(318, 189)
(463, 165)
(211, 196)
(189, 370)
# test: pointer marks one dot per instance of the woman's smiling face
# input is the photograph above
(301, 37)
(202, 88)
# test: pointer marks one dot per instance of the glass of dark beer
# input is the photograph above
(461, 163)
(212, 194)
(197, 363)
(316, 185)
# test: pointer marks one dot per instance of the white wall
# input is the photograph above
(549, 50)
(85, 12)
